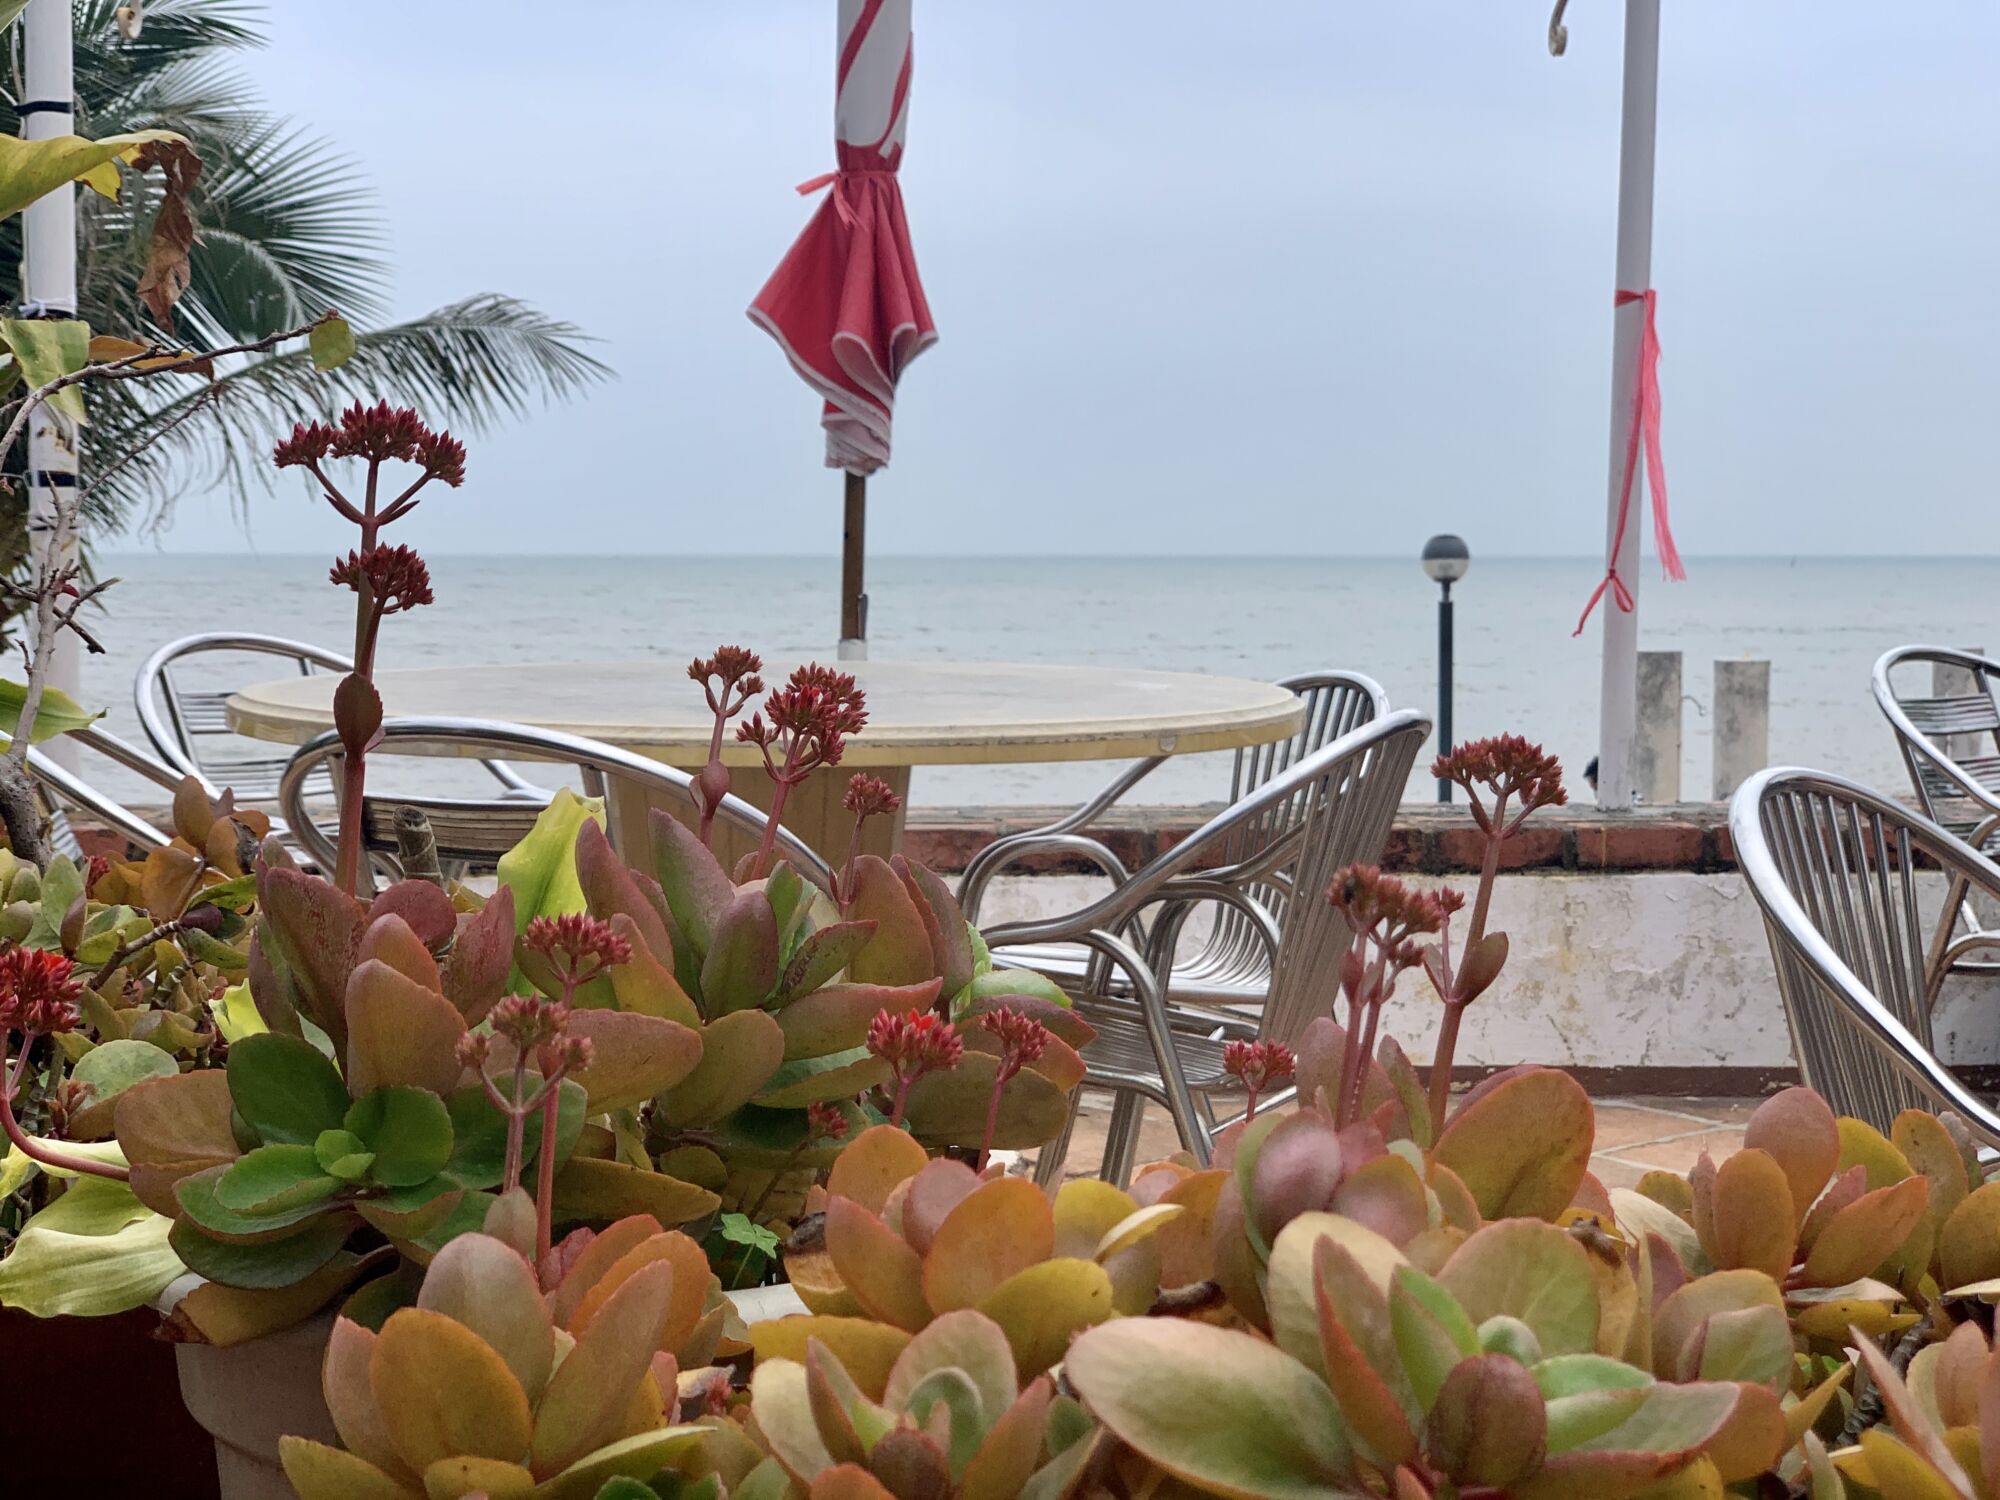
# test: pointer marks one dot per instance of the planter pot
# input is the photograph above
(66, 1377)
(251, 1395)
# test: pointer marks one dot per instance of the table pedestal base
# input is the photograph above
(813, 813)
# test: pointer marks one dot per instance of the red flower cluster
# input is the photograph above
(378, 434)
(729, 676)
(396, 577)
(811, 716)
(914, 1043)
(825, 1122)
(569, 941)
(1258, 1065)
(869, 796)
(1384, 905)
(39, 992)
(1506, 766)
(1022, 1038)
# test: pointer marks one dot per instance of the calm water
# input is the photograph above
(1820, 622)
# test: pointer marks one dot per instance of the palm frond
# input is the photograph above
(469, 365)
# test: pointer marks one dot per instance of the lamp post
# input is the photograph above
(1445, 559)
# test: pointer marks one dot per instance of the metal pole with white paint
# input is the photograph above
(48, 285)
(1618, 722)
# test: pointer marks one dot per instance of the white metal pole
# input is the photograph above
(1618, 729)
(48, 284)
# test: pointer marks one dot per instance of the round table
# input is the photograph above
(919, 713)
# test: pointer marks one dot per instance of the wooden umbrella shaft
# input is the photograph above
(853, 551)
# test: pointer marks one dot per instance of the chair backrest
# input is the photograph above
(1840, 873)
(188, 726)
(481, 831)
(1336, 704)
(1939, 732)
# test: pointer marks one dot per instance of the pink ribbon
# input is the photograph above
(1645, 428)
(837, 180)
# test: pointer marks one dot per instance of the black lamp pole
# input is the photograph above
(1445, 559)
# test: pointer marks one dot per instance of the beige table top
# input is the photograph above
(919, 713)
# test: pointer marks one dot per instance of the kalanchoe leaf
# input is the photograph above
(422, 907)
(475, 970)
(610, 890)
(697, 889)
(310, 929)
(266, 1264)
(274, 1180)
(1522, 1144)
(633, 1057)
(399, 1032)
(814, 1080)
(740, 968)
(900, 952)
(1431, 1330)
(1487, 1426)
(408, 1129)
(949, 1108)
(821, 955)
(479, 1133)
(944, 922)
(739, 1054)
(343, 1154)
(285, 1089)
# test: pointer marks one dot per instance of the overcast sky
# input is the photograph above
(1298, 276)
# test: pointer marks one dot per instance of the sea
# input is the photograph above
(1820, 622)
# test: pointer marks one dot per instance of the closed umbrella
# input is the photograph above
(845, 304)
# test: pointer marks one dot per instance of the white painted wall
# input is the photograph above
(1657, 970)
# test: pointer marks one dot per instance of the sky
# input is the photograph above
(1310, 277)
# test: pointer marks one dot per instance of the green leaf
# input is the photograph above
(48, 349)
(1431, 1330)
(741, 966)
(331, 342)
(214, 952)
(740, 1229)
(95, 1251)
(274, 1179)
(112, 1067)
(268, 1263)
(813, 1080)
(196, 1195)
(479, 1134)
(408, 1129)
(1523, 1268)
(285, 1089)
(1222, 1410)
(343, 1154)
(62, 884)
(236, 1015)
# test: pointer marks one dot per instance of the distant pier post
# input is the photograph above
(1742, 723)
(1656, 753)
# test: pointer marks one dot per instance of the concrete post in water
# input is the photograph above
(1742, 723)
(1948, 681)
(1656, 753)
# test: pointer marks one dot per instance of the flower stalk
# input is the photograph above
(729, 680)
(1022, 1040)
(810, 719)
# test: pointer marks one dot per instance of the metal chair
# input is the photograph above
(1958, 790)
(178, 719)
(65, 789)
(1336, 807)
(479, 831)
(1231, 965)
(1835, 867)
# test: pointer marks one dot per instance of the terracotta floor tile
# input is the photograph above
(1621, 1124)
(1616, 1174)
(1682, 1153)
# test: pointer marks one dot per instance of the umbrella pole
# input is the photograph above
(853, 550)
(1619, 710)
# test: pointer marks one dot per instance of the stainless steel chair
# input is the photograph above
(1939, 701)
(478, 831)
(1861, 945)
(190, 730)
(1232, 964)
(66, 790)
(1336, 807)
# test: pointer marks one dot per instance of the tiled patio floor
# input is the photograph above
(1633, 1135)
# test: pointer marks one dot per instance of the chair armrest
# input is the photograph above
(1177, 900)
(1002, 851)
(979, 874)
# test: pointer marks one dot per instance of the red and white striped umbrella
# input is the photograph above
(845, 304)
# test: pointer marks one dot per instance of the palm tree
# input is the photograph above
(286, 230)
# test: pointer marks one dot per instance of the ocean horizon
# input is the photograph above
(1820, 621)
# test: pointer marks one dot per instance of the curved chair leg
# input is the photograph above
(1121, 1141)
(1049, 1163)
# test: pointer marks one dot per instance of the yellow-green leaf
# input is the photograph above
(47, 349)
(58, 713)
(331, 342)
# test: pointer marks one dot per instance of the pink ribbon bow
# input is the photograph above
(1646, 428)
(837, 180)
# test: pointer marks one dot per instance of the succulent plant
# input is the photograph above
(947, 1420)
(908, 1240)
(488, 1387)
(1506, 1373)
